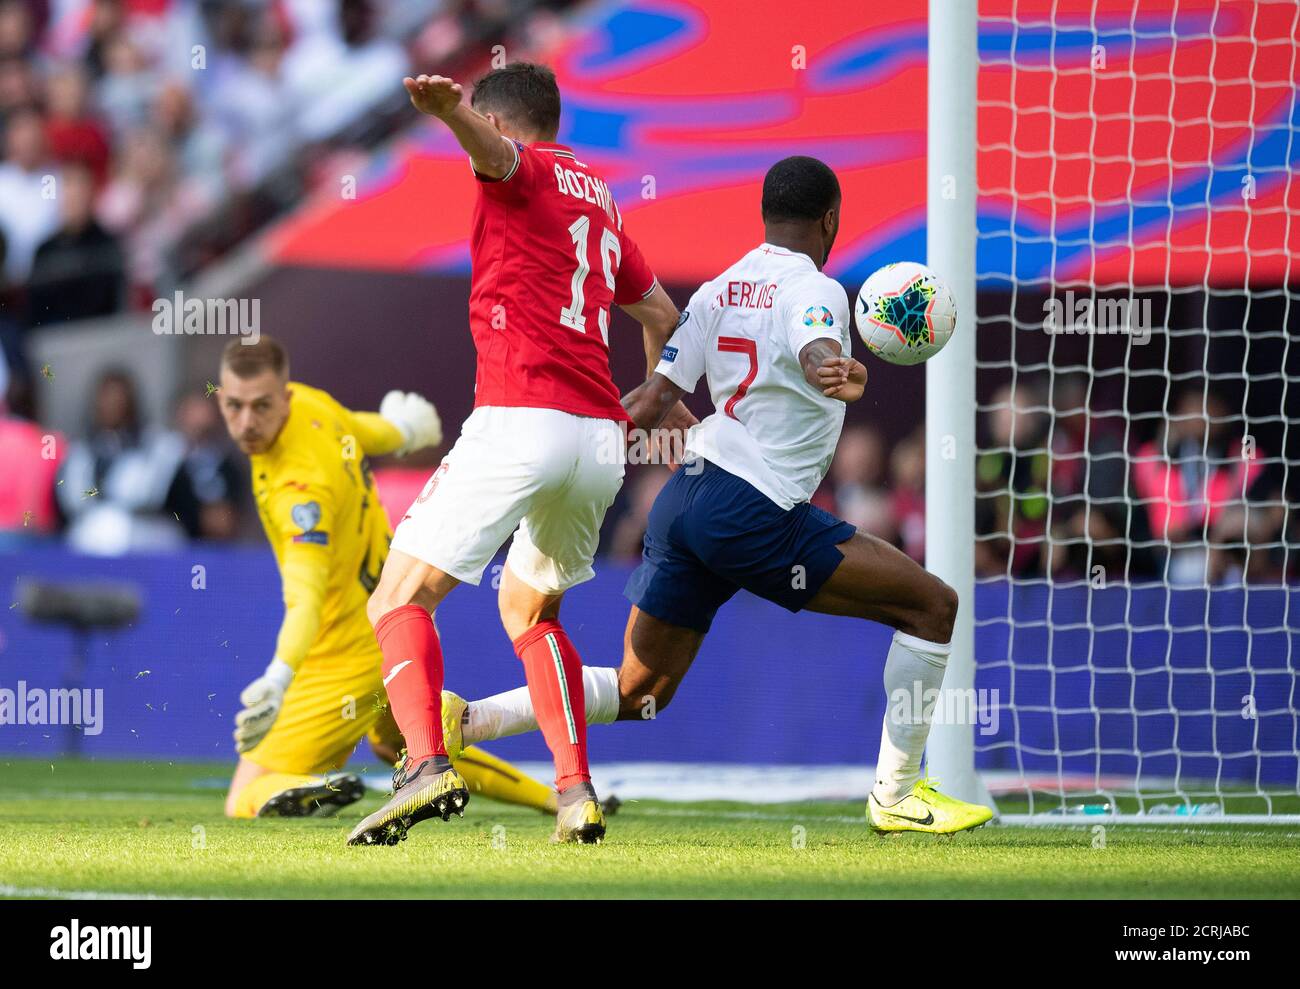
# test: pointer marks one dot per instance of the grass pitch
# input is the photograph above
(77, 828)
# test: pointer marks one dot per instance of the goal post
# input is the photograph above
(950, 375)
(1112, 455)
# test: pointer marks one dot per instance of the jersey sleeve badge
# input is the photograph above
(306, 516)
(818, 316)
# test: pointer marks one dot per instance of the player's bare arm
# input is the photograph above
(650, 403)
(825, 368)
(489, 151)
(658, 316)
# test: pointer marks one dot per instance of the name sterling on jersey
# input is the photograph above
(747, 295)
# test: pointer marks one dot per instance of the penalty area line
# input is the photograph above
(1209, 828)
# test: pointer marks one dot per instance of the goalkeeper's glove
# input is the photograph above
(416, 418)
(261, 699)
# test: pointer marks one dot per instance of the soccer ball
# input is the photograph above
(905, 313)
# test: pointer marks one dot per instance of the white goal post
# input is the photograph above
(1111, 434)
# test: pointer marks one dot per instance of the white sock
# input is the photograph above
(511, 713)
(914, 672)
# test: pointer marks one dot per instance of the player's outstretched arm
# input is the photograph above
(413, 416)
(489, 152)
(836, 376)
(304, 572)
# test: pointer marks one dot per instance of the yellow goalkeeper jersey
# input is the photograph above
(317, 501)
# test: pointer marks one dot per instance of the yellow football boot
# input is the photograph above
(926, 809)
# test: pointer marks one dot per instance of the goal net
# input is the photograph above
(1136, 623)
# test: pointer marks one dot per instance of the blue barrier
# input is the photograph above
(768, 687)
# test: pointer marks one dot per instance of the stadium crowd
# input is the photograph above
(140, 138)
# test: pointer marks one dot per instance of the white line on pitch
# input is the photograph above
(49, 893)
(746, 815)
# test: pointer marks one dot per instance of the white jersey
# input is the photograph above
(744, 330)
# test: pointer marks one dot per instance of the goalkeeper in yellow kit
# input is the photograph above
(323, 690)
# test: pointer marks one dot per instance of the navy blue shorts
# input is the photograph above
(711, 533)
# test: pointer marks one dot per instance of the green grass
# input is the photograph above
(115, 827)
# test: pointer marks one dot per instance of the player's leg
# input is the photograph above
(553, 669)
(878, 582)
(656, 655)
(401, 611)
(426, 784)
(253, 785)
(470, 505)
(511, 711)
(485, 774)
(554, 673)
(256, 791)
(553, 551)
(881, 583)
(292, 771)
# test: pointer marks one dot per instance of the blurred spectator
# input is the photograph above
(196, 143)
(106, 22)
(1197, 480)
(17, 31)
(207, 490)
(343, 55)
(857, 479)
(19, 87)
(151, 205)
(1094, 523)
(253, 105)
(200, 119)
(29, 212)
(29, 462)
(1011, 483)
(72, 132)
(116, 481)
(79, 272)
(13, 354)
(127, 87)
(907, 492)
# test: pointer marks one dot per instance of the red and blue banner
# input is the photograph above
(1149, 148)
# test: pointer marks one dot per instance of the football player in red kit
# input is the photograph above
(541, 455)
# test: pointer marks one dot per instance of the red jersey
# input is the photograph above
(550, 257)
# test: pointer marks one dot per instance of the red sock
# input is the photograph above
(554, 671)
(413, 678)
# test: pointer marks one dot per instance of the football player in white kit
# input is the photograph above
(771, 335)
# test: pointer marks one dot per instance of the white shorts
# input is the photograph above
(546, 476)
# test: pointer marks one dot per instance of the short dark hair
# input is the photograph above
(249, 360)
(525, 93)
(799, 188)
